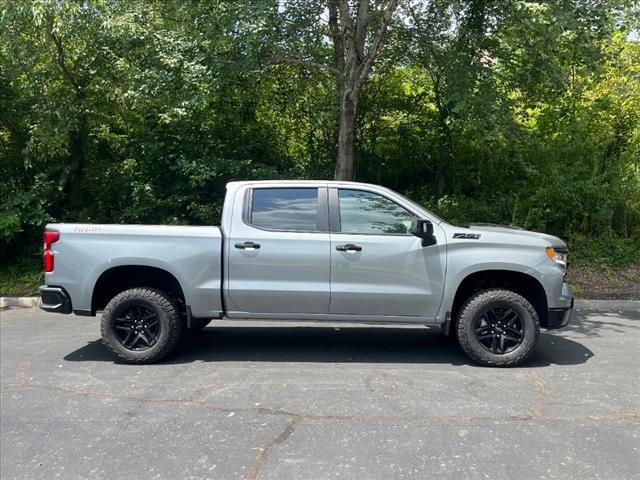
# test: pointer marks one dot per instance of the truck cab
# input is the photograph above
(337, 251)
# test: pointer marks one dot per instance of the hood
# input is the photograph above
(511, 231)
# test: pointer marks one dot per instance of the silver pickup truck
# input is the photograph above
(311, 251)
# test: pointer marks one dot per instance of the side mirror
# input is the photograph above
(423, 229)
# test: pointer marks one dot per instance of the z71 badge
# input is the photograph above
(471, 236)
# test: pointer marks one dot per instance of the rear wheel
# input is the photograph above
(498, 327)
(141, 325)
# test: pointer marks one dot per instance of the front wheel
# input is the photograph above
(141, 325)
(498, 328)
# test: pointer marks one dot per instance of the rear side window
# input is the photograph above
(370, 213)
(293, 209)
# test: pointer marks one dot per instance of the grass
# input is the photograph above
(21, 278)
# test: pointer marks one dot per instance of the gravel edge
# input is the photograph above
(19, 302)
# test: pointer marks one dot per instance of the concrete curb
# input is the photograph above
(20, 302)
(625, 305)
(581, 304)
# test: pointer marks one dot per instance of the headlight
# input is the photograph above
(558, 256)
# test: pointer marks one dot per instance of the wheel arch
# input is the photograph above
(519, 282)
(119, 278)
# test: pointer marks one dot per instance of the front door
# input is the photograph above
(377, 267)
(279, 257)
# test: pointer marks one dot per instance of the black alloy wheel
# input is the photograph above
(499, 329)
(138, 328)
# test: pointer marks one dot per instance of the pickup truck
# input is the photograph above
(318, 251)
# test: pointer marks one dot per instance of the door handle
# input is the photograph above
(349, 247)
(247, 246)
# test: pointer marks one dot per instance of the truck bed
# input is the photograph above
(86, 253)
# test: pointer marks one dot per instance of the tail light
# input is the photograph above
(50, 236)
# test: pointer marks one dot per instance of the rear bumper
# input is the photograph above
(54, 299)
(559, 317)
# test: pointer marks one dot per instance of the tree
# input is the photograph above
(355, 30)
(353, 66)
(497, 111)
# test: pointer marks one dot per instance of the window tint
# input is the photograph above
(366, 212)
(285, 208)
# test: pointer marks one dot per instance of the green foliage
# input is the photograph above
(606, 253)
(22, 275)
(506, 112)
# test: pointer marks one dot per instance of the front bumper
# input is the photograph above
(559, 317)
(54, 299)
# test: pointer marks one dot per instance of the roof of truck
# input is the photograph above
(302, 182)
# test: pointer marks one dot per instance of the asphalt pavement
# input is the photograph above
(286, 401)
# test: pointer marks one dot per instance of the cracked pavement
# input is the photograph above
(248, 400)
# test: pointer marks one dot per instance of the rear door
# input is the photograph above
(278, 251)
(377, 267)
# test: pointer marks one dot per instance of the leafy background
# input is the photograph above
(138, 111)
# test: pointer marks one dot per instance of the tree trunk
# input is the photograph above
(353, 65)
(441, 176)
(347, 137)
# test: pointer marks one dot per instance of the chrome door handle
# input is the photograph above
(247, 246)
(349, 247)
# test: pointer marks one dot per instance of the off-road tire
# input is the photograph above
(479, 303)
(171, 325)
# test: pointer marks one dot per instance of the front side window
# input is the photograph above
(367, 212)
(293, 209)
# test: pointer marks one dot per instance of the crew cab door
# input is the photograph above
(278, 251)
(377, 267)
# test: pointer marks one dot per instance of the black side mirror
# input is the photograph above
(423, 229)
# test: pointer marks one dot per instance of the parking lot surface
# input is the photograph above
(247, 401)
